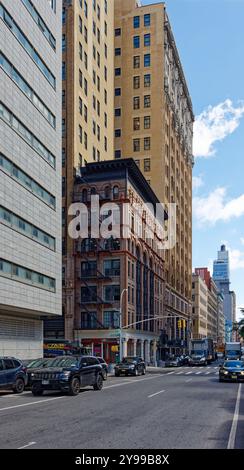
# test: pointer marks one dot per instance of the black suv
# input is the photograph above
(130, 365)
(104, 367)
(12, 374)
(67, 374)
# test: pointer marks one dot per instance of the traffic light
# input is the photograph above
(179, 324)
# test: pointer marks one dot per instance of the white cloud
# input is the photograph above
(215, 207)
(215, 124)
(242, 241)
(197, 182)
(236, 259)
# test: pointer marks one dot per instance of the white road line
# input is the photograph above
(188, 380)
(197, 373)
(188, 373)
(169, 373)
(31, 403)
(154, 394)
(232, 436)
(206, 373)
(215, 367)
(27, 445)
(179, 373)
(133, 381)
(216, 373)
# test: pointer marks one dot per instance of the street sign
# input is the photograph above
(114, 333)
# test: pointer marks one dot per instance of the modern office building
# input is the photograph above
(30, 169)
(154, 125)
(212, 303)
(199, 307)
(221, 276)
(88, 108)
(116, 274)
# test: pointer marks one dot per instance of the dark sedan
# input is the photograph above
(232, 371)
(130, 365)
(104, 367)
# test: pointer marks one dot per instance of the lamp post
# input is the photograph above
(120, 324)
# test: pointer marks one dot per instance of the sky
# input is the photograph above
(210, 39)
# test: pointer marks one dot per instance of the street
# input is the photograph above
(184, 408)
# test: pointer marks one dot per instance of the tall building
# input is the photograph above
(221, 320)
(212, 303)
(199, 307)
(221, 276)
(88, 107)
(30, 169)
(154, 125)
(116, 273)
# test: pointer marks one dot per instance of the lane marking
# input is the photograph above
(179, 373)
(188, 373)
(169, 373)
(232, 436)
(133, 382)
(27, 445)
(206, 373)
(154, 394)
(197, 373)
(31, 403)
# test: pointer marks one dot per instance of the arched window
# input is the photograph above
(107, 192)
(84, 195)
(93, 191)
(115, 192)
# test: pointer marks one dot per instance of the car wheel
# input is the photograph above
(99, 383)
(74, 387)
(36, 391)
(19, 385)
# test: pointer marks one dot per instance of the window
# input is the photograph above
(117, 72)
(115, 192)
(136, 21)
(63, 42)
(136, 62)
(30, 138)
(136, 145)
(117, 132)
(136, 82)
(147, 164)
(117, 51)
(147, 40)
(117, 154)
(27, 90)
(89, 294)
(147, 101)
(147, 20)
(26, 181)
(63, 128)
(136, 42)
(117, 112)
(136, 102)
(147, 122)
(136, 124)
(117, 91)
(63, 71)
(110, 319)
(80, 106)
(112, 293)
(147, 80)
(147, 143)
(111, 267)
(40, 23)
(117, 32)
(26, 276)
(17, 32)
(147, 60)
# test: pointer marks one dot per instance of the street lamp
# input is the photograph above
(120, 324)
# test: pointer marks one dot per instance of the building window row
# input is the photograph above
(26, 181)
(137, 123)
(146, 99)
(26, 276)
(40, 23)
(137, 61)
(137, 144)
(26, 89)
(20, 36)
(27, 135)
(26, 228)
(137, 81)
(137, 21)
(137, 41)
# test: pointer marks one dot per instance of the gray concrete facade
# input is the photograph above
(30, 177)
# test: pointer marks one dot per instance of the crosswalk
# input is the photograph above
(200, 371)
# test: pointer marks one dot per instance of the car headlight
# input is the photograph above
(32, 374)
(203, 359)
(242, 372)
(226, 372)
(65, 374)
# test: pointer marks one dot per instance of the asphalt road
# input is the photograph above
(185, 408)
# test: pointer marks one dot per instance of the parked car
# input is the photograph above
(31, 366)
(231, 371)
(68, 374)
(174, 362)
(184, 359)
(130, 365)
(104, 367)
(13, 374)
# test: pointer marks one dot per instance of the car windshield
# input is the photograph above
(63, 362)
(129, 360)
(237, 364)
(37, 363)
